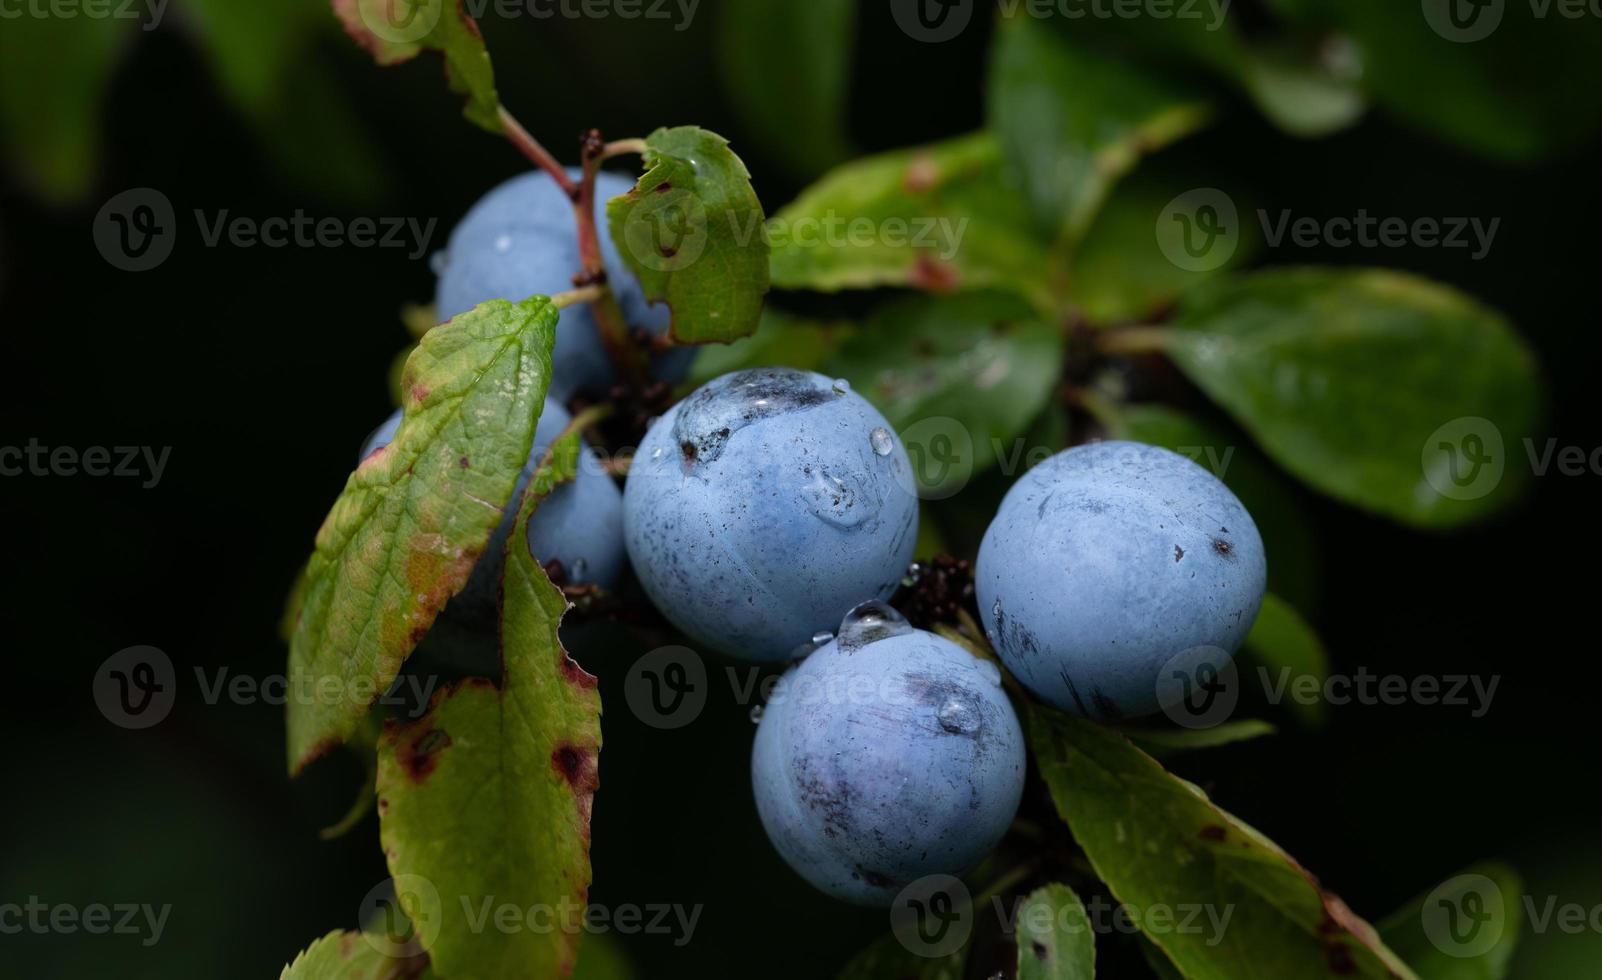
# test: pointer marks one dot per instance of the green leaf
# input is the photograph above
(1055, 938)
(942, 218)
(601, 958)
(350, 956)
(1164, 742)
(1381, 389)
(1159, 962)
(1483, 83)
(985, 361)
(780, 338)
(1282, 643)
(786, 66)
(1159, 843)
(414, 518)
(1467, 929)
(487, 798)
(888, 958)
(1307, 90)
(692, 230)
(1306, 82)
(1072, 120)
(54, 75)
(1270, 498)
(395, 32)
(1121, 271)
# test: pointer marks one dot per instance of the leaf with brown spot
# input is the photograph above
(945, 217)
(500, 812)
(411, 523)
(1055, 938)
(1158, 842)
(396, 31)
(692, 231)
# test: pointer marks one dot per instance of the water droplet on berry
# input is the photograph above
(870, 623)
(836, 502)
(756, 714)
(913, 576)
(882, 441)
(959, 717)
(842, 386)
(822, 638)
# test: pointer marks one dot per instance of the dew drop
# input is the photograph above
(820, 639)
(959, 717)
(870, 623)
(839, 503)
(842, 386)
(882, 441)
(913, 576)
(503, 244)
(756, 714)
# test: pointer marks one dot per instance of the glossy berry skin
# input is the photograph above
(1107, 562)
(876, 765)
(580, 524)
(764, 507)
(521, 239)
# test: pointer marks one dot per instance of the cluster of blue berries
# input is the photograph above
(772, 513)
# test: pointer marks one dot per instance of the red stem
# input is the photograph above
(614, 330)
(531, 148)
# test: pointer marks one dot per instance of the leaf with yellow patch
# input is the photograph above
(415, 516)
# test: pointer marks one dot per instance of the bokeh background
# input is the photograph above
(264, 368)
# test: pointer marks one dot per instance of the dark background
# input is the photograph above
(263, 369)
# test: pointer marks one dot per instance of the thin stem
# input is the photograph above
(619, 148)
(1101, 408)
(573, 297)
(1134, 340)
(584, 206)
(531, 148)
(609, 320)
